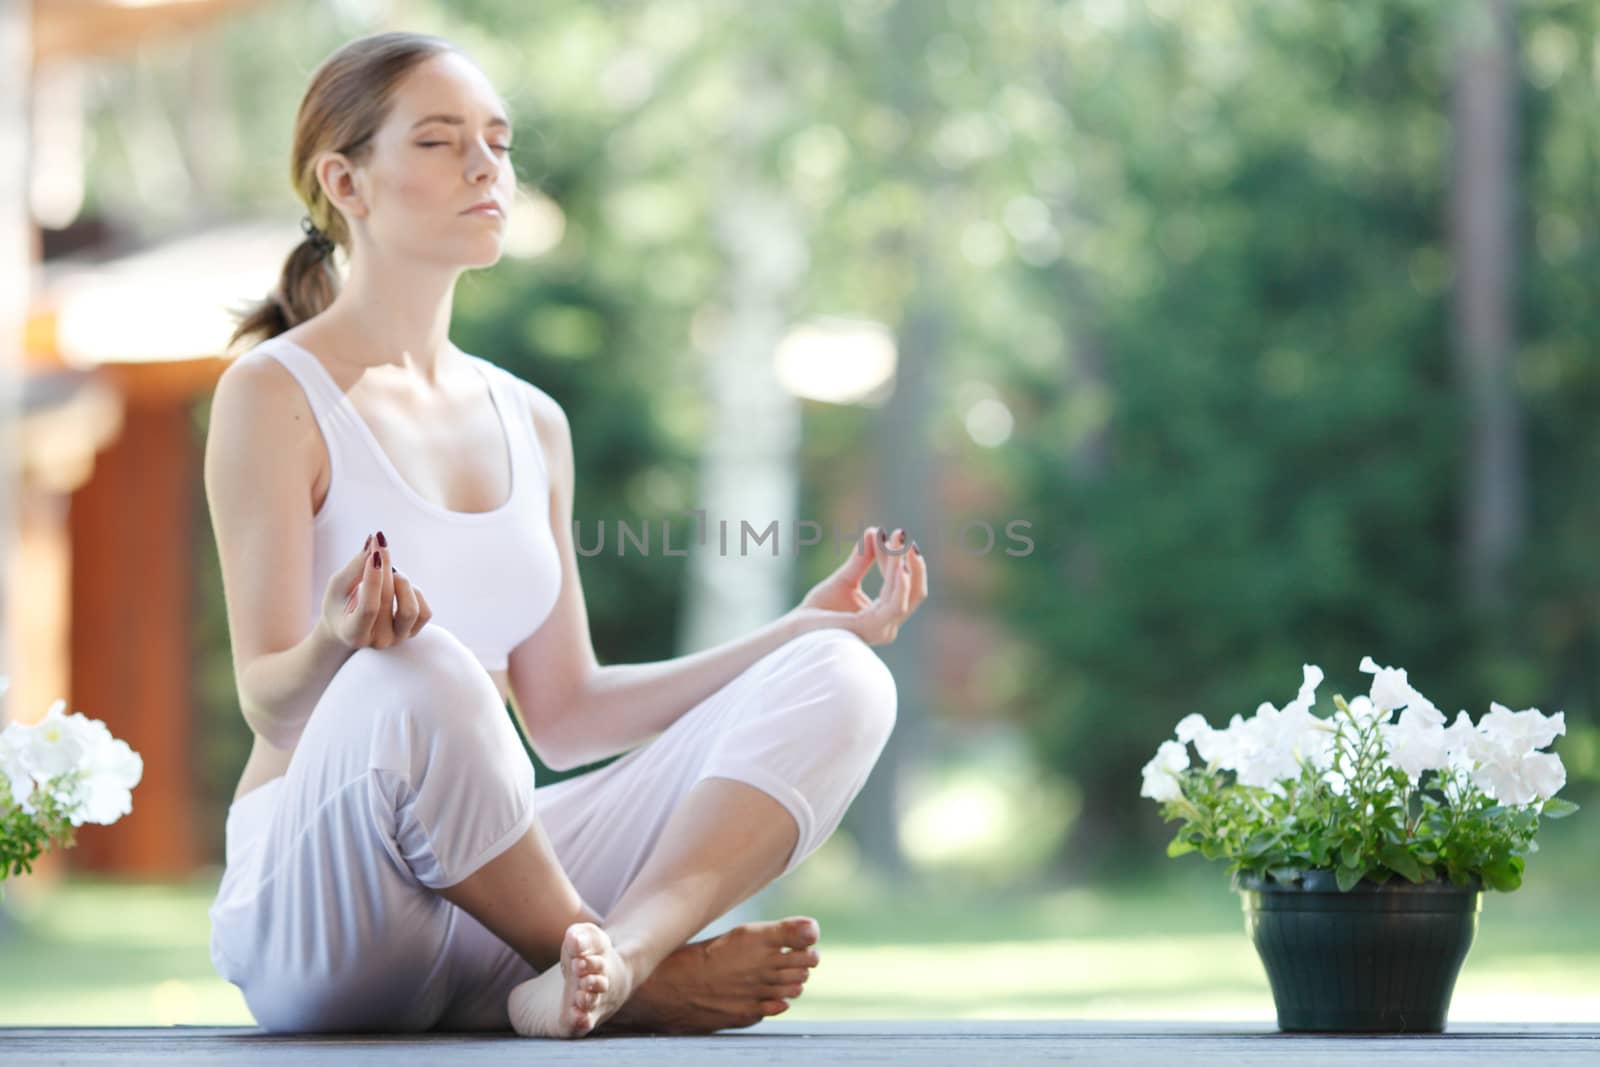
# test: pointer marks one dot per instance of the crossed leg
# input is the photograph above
(406, 881)
(729, 981)
(737, 792)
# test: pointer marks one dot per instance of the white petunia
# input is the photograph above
(1222, 747)
(50, 747)
(1544, 773)
(14, 769)
(1191, 727)
(1520, 778)
(1522, 731)
(1391, 691)
(1160, 774)
(1418, 742)
(108, 774)
(1273, 744)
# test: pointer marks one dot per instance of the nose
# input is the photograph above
(484, 162)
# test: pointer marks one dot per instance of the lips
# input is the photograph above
(486, 207)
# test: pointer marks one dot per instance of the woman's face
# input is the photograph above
(444, 147)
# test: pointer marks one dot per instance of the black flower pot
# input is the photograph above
(1376, 959)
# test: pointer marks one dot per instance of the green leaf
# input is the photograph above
(1503, 875)
(1557, 808)
(1399, 860)
(1179, 847)
(1347, 877)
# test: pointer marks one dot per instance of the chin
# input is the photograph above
(484, 257)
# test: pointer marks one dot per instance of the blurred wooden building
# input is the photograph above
(105, 349)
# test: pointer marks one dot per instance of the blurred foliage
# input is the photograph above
(1261, 278)
(1198, 251)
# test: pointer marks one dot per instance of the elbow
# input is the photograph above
(274, 730)
(553, 751)
(549, 730)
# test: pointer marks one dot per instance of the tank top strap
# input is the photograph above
(322, 392)
(519, 419)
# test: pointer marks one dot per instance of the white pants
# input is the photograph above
(409, 777)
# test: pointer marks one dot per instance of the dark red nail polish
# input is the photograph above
(882, 537)
(377, 560)
(382, 541)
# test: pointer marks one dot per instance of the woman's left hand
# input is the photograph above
(838, 599)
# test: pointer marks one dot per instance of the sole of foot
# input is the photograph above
(570, 1000)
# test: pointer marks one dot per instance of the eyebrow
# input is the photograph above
(457, 120)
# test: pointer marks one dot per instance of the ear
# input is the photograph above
(342, 184)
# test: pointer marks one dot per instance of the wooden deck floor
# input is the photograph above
(920, 1043)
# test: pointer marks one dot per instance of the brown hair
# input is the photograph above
(348, 99)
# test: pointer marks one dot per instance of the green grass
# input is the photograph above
(98, 953)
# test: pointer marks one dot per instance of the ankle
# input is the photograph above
(639, 954)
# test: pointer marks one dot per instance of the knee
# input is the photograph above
(860, 697)
(432, 676)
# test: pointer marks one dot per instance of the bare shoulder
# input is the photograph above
(259, 415)
(262, 391)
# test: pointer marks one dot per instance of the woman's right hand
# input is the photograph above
(369, 604)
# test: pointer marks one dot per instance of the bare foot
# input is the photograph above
(726, 982)
(570, 1000)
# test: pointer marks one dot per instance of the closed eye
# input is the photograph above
(435, 144)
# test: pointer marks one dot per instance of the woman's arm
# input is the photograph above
(624, 705)
(260, 462)
(573, 710)
(279, 690)
(628, 703)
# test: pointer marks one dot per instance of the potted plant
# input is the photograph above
(56, 775)
(1360, 841)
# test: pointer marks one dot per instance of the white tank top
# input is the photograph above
(491, 577)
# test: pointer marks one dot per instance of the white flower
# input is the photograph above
(1272, 744)
(1221, 747)
(1364, 711)
(1521, 778)
(1521, 731)
(106, 779)
(1418, 742)
(1160, 774)
(14, 769)
(1391, 691)
(87, 770)
(52, 746)
(1501, 758)
(1464, 744)
(1191, 727)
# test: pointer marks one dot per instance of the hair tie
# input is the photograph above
(321, 242)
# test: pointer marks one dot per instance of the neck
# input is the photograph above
(395, 315)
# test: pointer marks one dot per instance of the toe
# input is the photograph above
(585, 937)
(787, 976)
(800, 931)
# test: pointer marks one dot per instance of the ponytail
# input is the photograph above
(306, 286)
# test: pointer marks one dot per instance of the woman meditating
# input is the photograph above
(393, 517)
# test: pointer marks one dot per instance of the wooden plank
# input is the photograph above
(958, 1044)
